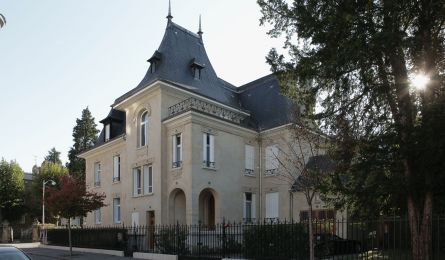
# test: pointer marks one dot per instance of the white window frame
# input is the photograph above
(208, 150)
(249, 158)
(107, 131)
(97, 217)
(148, 179)
(97, 173)
(249, 207)
(117, 210)
(272, 162)
(116, 168)
(143, 129)
(177, 151)
(143, 180)
(137, 181)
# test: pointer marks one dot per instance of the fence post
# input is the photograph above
(199, 238)
(223, 238)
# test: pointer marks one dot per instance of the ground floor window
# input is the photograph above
(117, 210)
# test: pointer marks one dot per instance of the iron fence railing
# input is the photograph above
(385, 238)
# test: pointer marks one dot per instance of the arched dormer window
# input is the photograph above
(143, 129)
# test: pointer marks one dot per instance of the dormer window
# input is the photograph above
(196, 69)
(107, 132)
(154, 61)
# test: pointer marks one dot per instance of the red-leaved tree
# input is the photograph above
(72, 199)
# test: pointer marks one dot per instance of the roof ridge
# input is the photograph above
(184, 29)
(253, 83)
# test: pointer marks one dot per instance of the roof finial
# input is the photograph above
(169, 16)
(200, 29)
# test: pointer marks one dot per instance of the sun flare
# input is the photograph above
(420, 81)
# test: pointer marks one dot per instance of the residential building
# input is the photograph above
(185, 146)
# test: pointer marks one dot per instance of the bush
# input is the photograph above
(172, 240)
(102, 238)
(276, 241)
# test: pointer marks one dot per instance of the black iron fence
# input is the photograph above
(385, 238)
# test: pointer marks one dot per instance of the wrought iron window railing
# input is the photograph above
(248, 171)
(176, 164)
(271, 171)
(208, 108)
(116, 179)
(97, 183)
(208, 164)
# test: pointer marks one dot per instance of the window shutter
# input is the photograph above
(107, 132)
(272, 205)
(268, 158)
(115, 167)
(135, 219)
(275, 162)
(180, 150)
(135, 182)
(244, 205)
(146, 179)
(174, 158)
(253, 206)
(150, 179)
(204, 147)
(249, 157)
(212, 148)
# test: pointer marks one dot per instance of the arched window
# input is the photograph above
(143, 130)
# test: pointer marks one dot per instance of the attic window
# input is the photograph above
(154, 61)
(107, 132)
(196, 69)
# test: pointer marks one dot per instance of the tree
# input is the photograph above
(72, 199)
(47, 171)
(84, 137)
(12, 188)
(53, 156)
(2, 21)
(358, 58)
(304, 165)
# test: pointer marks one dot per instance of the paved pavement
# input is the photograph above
(39, 253)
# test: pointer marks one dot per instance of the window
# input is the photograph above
(143, 129)
(107, 132)
(137, 181)
(117, 210)
(177, 151)
(97, 216)
(249, 213)
(143, 180)
(97, 174)
(135, 219)
(208, 150)
(249, 160)
(271, 159)
(116, 168)
(148, 179)
(272, 206)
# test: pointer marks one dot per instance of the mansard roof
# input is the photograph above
(179, 49)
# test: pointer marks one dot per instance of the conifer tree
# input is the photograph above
(53, 156)
(84, 137)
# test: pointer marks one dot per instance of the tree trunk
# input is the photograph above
(311, 235)
(420, 228)
(69, 236)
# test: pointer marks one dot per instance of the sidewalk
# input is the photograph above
(38, 252)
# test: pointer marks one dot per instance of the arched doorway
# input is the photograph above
(177, 207)
(207, 207)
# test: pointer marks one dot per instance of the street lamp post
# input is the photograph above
(43, 205)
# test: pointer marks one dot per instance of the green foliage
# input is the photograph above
(12, 189)
(358, 58)
(172, 239)
(84, 137)
(72, 199)
(53, 156)
(2, 20)
(103, 238)
(277, 240)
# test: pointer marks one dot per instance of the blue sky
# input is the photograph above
(58, 57)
